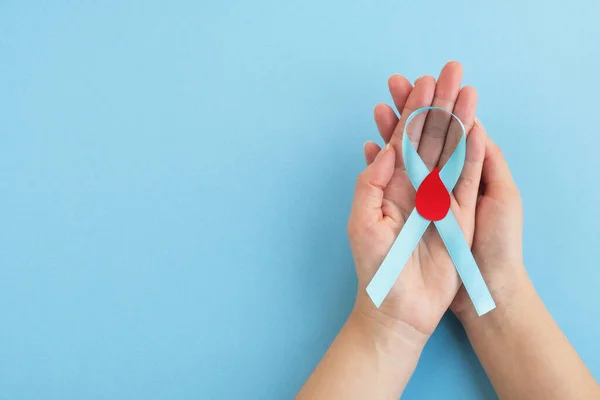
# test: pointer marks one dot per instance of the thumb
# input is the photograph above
(368, 196)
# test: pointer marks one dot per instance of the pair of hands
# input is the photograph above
(485, 201)
(523, 351)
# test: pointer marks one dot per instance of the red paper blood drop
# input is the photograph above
(433, 200)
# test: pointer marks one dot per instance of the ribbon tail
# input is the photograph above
(396, 259)
(465, 264)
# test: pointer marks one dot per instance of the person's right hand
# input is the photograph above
(497, 243)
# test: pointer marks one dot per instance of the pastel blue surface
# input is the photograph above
(176, 177)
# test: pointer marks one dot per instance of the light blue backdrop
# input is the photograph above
(175, 179)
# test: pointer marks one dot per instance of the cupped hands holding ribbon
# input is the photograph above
(385, 195)
(436, 223)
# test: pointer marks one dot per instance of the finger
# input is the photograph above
(386, 121)
(467, 187)
(436, 126)
(371, 151)
(368, 196)
(465, 109)
(400, 89)
(495, 175)
(420, 96)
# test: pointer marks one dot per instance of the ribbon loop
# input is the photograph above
(416, 168)
(448, 228)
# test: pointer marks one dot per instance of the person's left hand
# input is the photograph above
(384, 198)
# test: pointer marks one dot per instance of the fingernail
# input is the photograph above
(417, 80)
(383, 151)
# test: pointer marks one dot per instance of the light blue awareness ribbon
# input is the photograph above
(448, 228)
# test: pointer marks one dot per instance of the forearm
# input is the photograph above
(524, 352)
(369, 359)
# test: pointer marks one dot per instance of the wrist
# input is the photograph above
(511, 294)
(391, 334)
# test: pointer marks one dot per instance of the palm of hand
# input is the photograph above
(429, 281)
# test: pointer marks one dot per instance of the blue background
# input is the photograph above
(175, 180)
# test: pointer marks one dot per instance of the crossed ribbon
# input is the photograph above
(448, 228)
